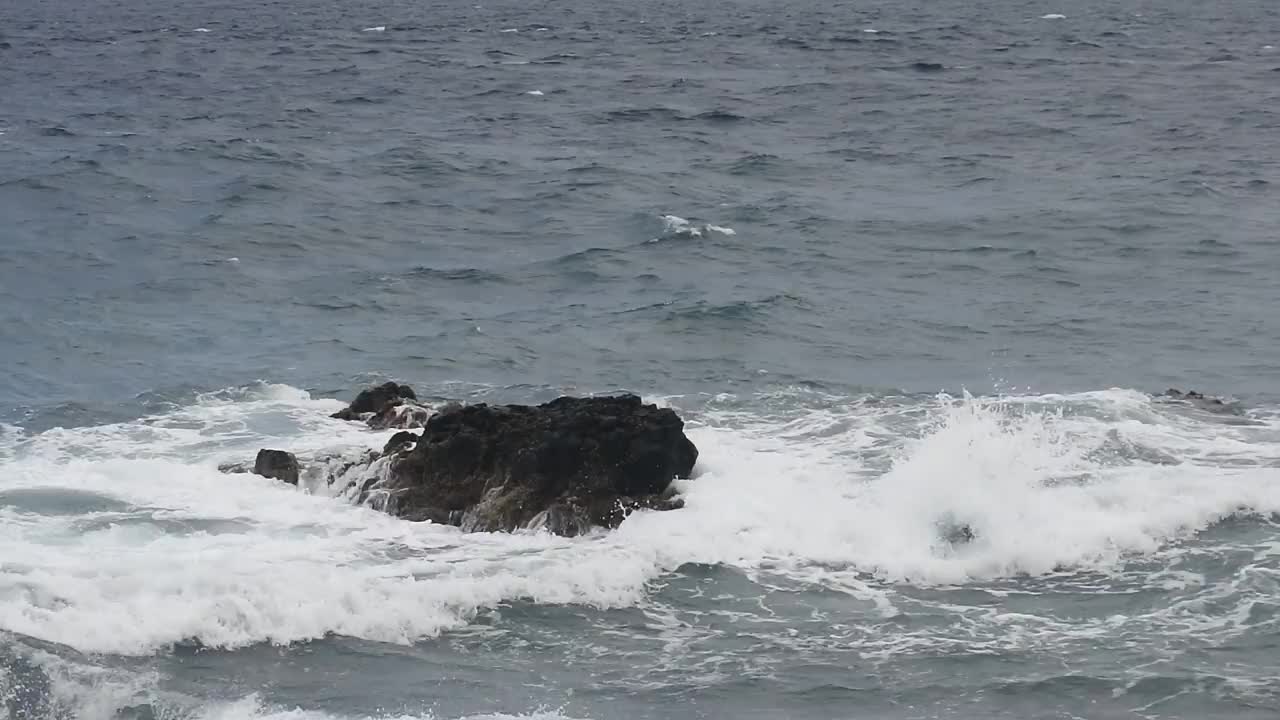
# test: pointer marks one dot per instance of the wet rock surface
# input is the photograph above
(566, 466)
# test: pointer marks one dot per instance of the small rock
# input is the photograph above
(1204, 402)
(374, 400)
(277, 464)
(400, 441)
(406, 414)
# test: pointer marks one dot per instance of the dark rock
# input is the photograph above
(277, 464)
(1204, 402)
(375, 400)
(405, 414)
(568, 465)
(400, 441)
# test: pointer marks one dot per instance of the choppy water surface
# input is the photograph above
(795, 224)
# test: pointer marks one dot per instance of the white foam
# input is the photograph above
(376, 28)
(232, 560)
(201, 30)
(534, 92)
(871, 31)
(681, 227)
(1053, 16)
(252, 708)
(510, 30)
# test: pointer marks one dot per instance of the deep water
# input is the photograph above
(796, 223)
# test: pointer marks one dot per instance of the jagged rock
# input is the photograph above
(277, 464)
(374, 400)
(568, 465)
(405, 415)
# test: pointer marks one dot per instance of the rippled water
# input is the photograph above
(795, 224)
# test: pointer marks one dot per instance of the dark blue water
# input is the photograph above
(784, 217)
(972, 195)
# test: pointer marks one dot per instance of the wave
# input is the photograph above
(125, 538)
(39, 684)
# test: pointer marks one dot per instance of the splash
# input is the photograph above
(126, 539)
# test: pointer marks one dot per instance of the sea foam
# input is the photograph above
(126, 539)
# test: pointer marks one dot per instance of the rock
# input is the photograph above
(400, 441)
(374, 400)
(405, 415)
(277, 464)
(568, 465)
(1202, 401)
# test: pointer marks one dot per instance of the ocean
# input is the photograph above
(903, 268)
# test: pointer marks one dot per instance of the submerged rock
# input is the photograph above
(568, 465)
(277, 464)
(1202, 401)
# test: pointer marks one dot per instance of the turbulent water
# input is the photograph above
(914, 275)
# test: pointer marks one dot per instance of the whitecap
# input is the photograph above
(378, 28)
(538, 93)
(1053, 16)
(832, 495)
(201, 30)
(677, 226)
(510, 30)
